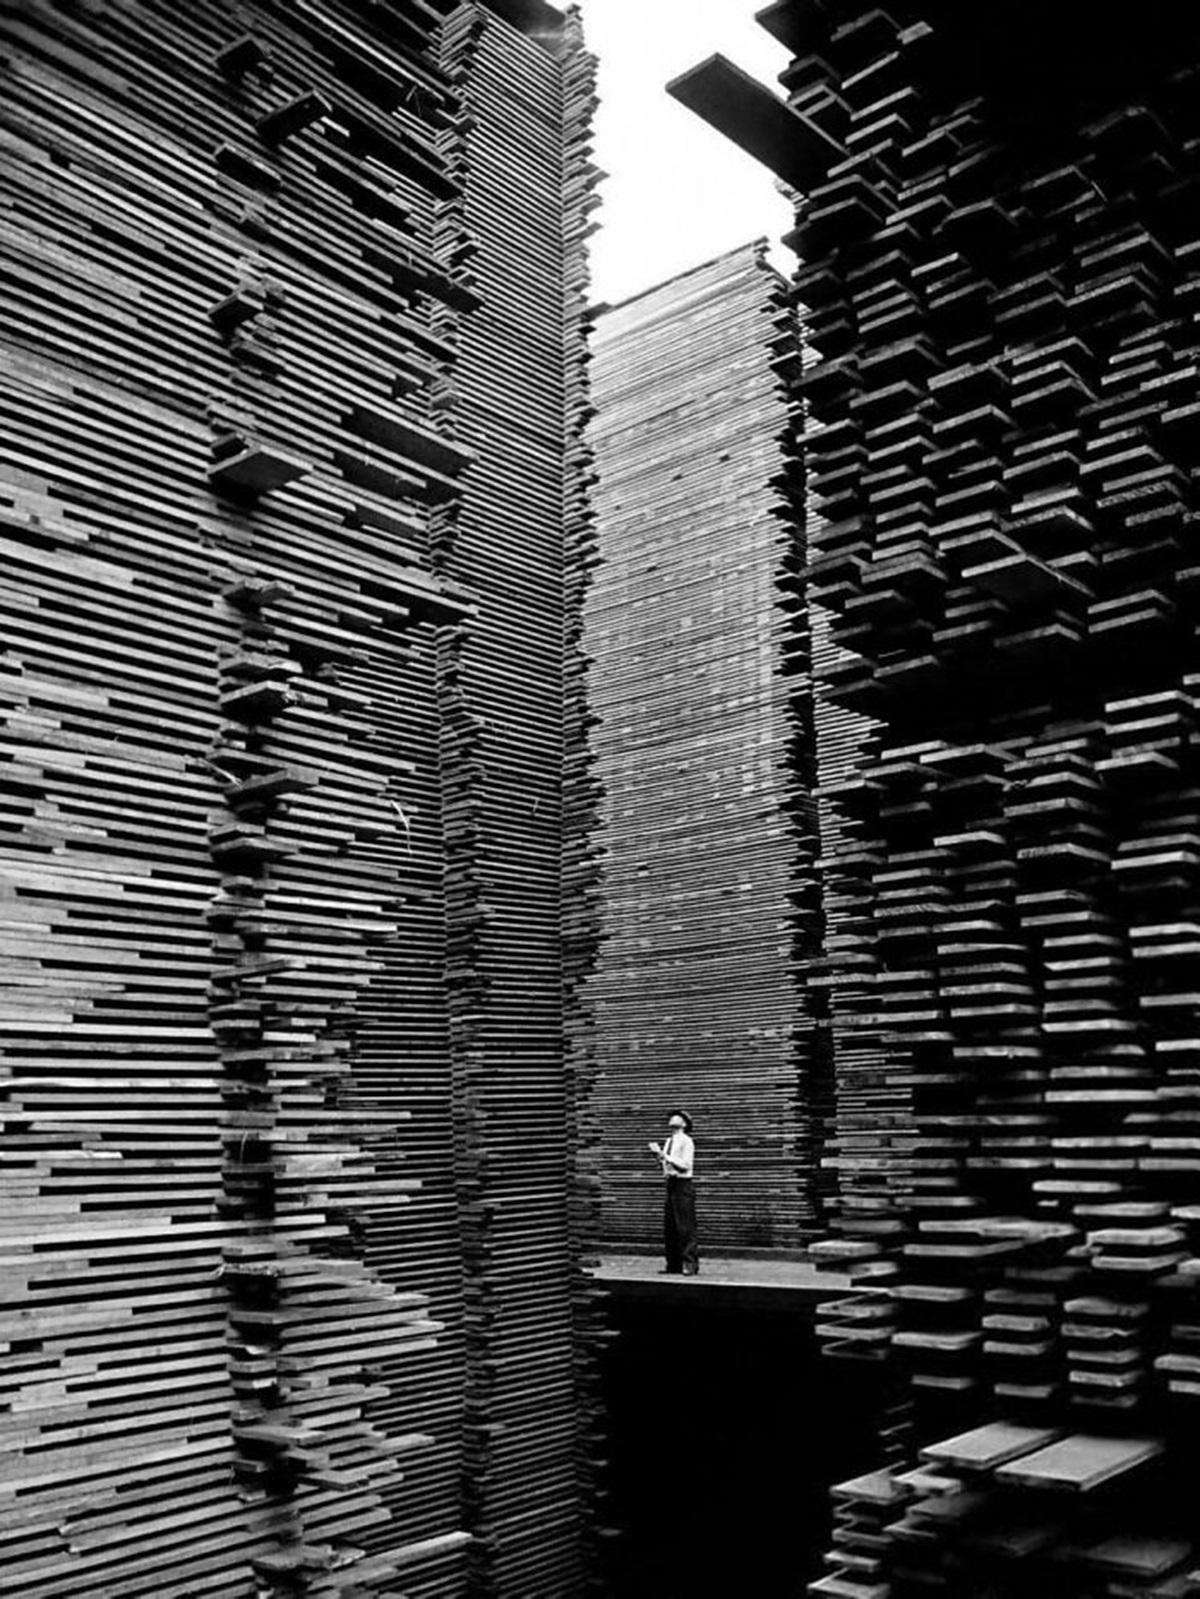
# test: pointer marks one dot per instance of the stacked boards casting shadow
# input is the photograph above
(521, 540)
(701, 691)
(286, 303)
(1001, 262)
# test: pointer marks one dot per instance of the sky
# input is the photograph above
(678, 193)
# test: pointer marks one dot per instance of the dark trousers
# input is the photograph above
(679, 1225)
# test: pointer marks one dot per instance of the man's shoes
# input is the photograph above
(691, 1271)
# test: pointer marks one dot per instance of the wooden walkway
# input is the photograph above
(752, 1283)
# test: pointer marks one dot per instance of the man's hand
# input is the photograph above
(656, 1149)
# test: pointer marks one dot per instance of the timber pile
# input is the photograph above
(581, 899)
(1000, 243)
(250, 474)
(1014, 1508)
(530, 1415)
(701, 690)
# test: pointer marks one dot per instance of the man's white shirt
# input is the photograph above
(681, 1152)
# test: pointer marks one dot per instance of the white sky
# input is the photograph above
(678, 192)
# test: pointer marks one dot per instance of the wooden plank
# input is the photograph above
(985, 1448)
(1081, 1463)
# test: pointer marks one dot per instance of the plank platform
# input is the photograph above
(765, 1282)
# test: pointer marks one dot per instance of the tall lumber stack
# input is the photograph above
(701, 692)
(581, 898)
(999, 240)
(292, 341)
(528, 1421)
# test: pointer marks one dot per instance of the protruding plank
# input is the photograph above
(291, 118)
(1080, 1463)
(985, 1448)
(757, 121)
(256, 470)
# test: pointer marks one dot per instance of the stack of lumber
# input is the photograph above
(999, 245)
(581, 897)
(870, 1140)
(529, 1416)
(274, 555)
(701, 690)
(1009, 1509)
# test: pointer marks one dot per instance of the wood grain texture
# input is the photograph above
(284, 395)
(998, 277)
(701, 690)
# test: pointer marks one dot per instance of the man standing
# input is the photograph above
(678, 1156)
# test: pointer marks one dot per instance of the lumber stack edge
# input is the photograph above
(996, 229)
(703, 737)
(262, 1216)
